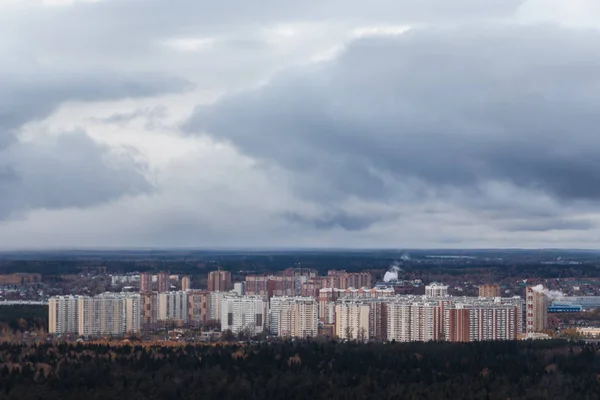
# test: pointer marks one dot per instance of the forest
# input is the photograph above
(302, 370)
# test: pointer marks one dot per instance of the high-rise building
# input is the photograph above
(63, 314)
(145, 282)
(294, 316)
(219, 281)
(240, 288)
(149, 310)
(489, 290)
(215, 304)
(436, 290)
(185, 283)
(173, 306)
(198, 306)
(413, 320)
(105, 314)
(536, 310)
(480, 321)
(378, 309)
(163, 284)
(243, 313)
(339, 279)
(352, 320)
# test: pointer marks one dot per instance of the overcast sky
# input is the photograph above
(315, 123)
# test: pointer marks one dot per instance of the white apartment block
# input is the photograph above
(436, 290)
(106, 314)
(63, 314)
(352, 320)
(399, 321)
(294, 316)
(243, 313)
(274, 313)
(173, 306)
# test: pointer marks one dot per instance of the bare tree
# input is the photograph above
(361, 335)
(348, 332)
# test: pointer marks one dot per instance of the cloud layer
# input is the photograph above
(196, 123)
(429, 113)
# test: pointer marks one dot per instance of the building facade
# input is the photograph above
(145, 282)
(294, 316)
(436, 290)
(163, 282)
(185, 283)
(536, 310)
(219, 281)
(244, 313)
(352, 320)
(489, 290)
(63, 314)
(478, 322)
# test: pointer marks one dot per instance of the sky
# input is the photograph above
(329, 123)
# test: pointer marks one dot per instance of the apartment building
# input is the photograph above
(536, 310)
(243, 313)
(480, 321)
(294, 316)
(106, 314)
(198, 307)
(63, 314)
(436, 290)
(489, 290)
(219, 281)
(352, 320)
(172, 306)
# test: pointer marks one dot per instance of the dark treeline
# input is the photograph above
(23, 317)
(322, 262)
(303, 370)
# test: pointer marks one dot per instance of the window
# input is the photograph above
(258, 320)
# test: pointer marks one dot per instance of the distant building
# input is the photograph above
(63, 314)
(339, 279)
(148, 310)
(489, 290)
(244, 313)
(124, 279)
(219, 281)
(173, 306)
(436, 290)
(352, 320)
(114, 314)
(294, 316)
(198, 307)
(145, 282)
(477, 322)
(412, 320)
(185, 283)
(163, 282)
(240, 288)
(536, 310)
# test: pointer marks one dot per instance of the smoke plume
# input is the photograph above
(392, 273)
(551, 294)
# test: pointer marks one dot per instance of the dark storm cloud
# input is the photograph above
(71, 170)
(448, 109)
(550, 225)
(338, 219)
(68, 171)
(39, 91)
